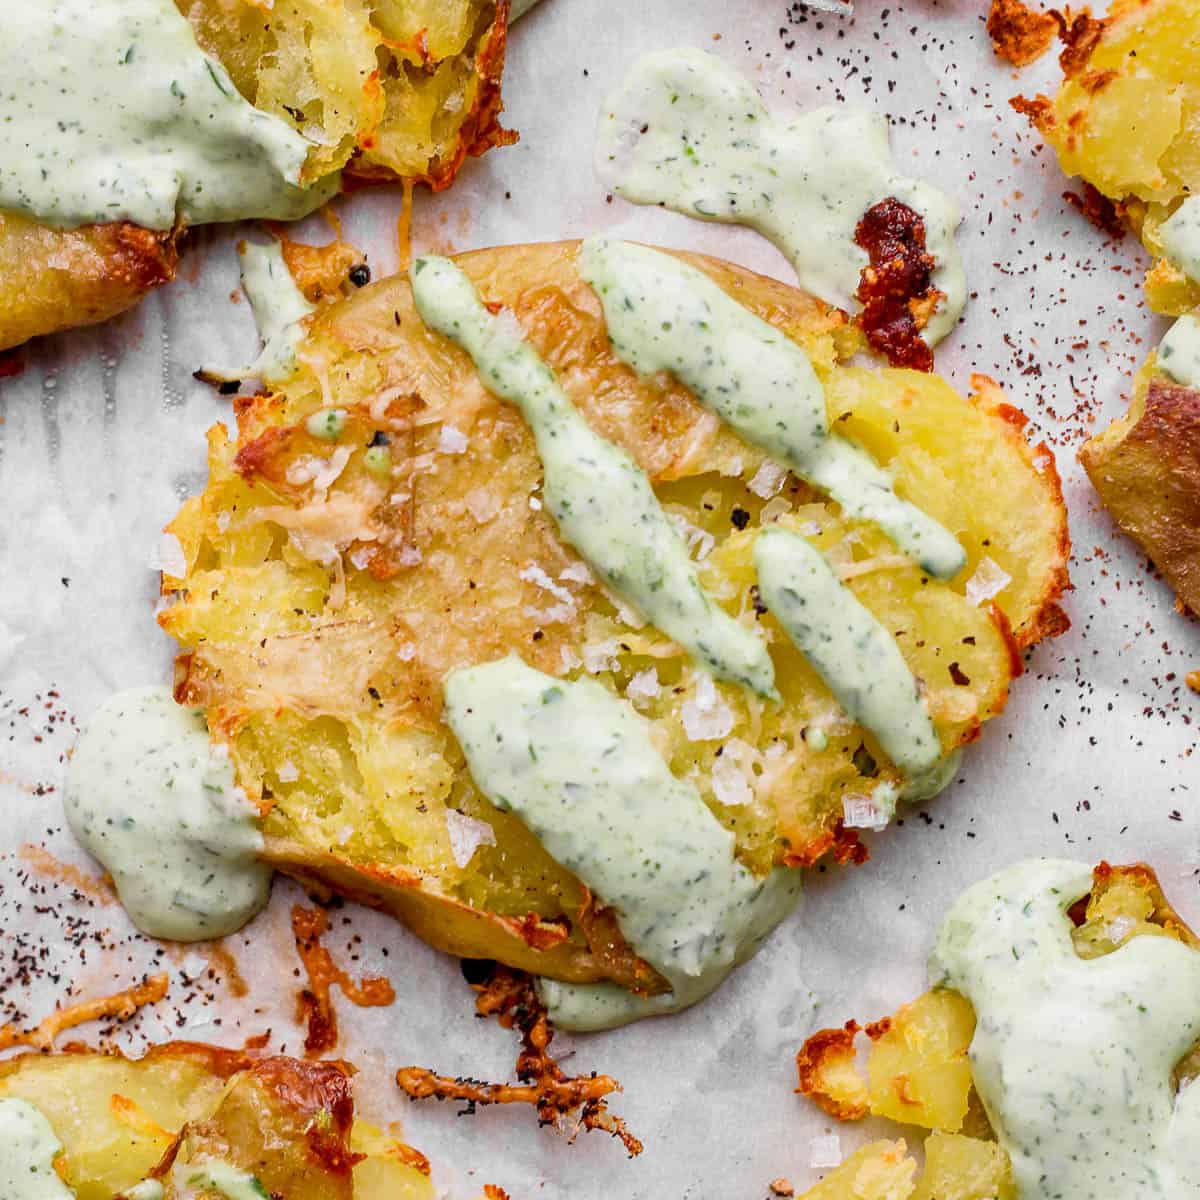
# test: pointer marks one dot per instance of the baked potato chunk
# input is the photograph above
(1146, 468)
(288, 1123)
(1126, 120)
(385, 90)
(956, 1168)
(330, 585)
(918, 1071)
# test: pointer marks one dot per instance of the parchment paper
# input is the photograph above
(102, 437)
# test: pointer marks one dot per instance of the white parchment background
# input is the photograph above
(102, 437)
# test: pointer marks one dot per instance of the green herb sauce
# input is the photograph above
(150, 797)
(1073, 1058)
(599, 497)
(578, 766)
(110, 111)
(686, 131)
(664, 315)
(852, 652)
(28, 1148)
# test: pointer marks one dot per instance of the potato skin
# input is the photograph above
(1146, 469)
(52, 279)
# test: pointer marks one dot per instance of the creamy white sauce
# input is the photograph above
(1179, 352)
(664, 315)
(578, 766)
(598, 496)
(1180, 236)
(279, 309)
(201, 1178)
(1073, 1058)
(686, 131)
(28, 1147)
(110, 111)
(149, 795)
(852, 652)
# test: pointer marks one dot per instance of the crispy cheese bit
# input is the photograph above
(120, 1005)
(896, 289)
(509, 996)
(1020, 34)
(315, 1001)
(828, 1076)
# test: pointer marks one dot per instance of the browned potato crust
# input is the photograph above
(1146, 467)
(52, 279)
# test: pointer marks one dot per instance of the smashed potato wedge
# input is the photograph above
(286, 1125)
(330, 586)
(1127, 117)
(386, 90)
(956, 1168)
(917, 1066)
(1146, 468)
(1127, 121)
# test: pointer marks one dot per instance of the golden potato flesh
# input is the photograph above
(918, 1072)
(289, 1123)
(1146, 468)
(330, 587)
(53, 279)
(386, 89)
(1127, 118)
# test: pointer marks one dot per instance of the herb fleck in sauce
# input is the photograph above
(686, 131)
(1074, 1058)
(577, 765)
(599, 497)
(150, 797)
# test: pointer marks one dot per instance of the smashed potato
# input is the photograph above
(1146, 468)
(918, 1072)
(1127, 117)
(1127, 121)
(289, 1123)
(385, 90)
(330, 585)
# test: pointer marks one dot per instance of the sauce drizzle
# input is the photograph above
(599, 497)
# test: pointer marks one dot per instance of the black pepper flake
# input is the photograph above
(740, 518)
(359, 274)
(958, 675)
(228, 387)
